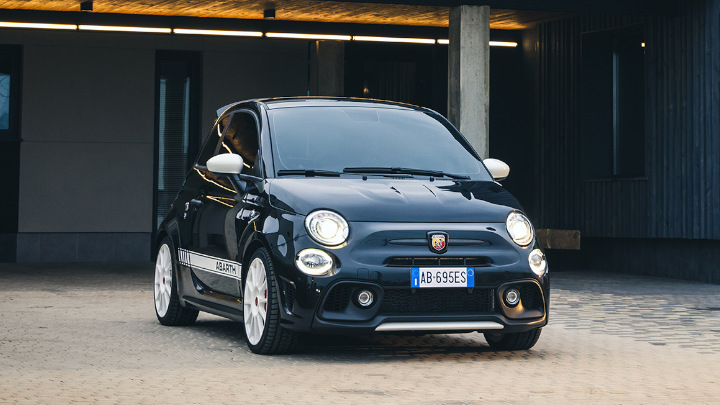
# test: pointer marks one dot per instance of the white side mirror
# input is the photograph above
(226, 163)
(498, 169)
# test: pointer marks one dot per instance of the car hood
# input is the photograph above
(394, 200)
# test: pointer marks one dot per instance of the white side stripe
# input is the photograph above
(199, 261)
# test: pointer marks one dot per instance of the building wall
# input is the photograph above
(678, 197)
(87, 130)
(683, 82)
(246, 69)
(641, 225)
(88, 122)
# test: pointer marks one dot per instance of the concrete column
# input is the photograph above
(469, 74)
(327, 68)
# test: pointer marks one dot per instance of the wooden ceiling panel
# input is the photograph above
(290, 10)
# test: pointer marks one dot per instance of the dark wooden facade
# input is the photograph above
(679, 194)
(684, 123)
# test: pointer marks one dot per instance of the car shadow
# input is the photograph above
(376, 348)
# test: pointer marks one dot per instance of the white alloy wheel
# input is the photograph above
(255, 298)
(163, 280)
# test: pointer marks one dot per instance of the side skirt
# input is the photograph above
(215, 308)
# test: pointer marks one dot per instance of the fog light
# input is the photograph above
(537, 261)
(365, 298)
(314, 262)
(512, 297)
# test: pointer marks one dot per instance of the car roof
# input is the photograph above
(291, 102)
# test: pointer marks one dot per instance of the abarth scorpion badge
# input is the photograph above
(438, 241)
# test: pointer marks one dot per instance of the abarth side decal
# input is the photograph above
(199, 261)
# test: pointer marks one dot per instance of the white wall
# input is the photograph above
(86, 162)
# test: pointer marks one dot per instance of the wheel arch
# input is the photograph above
(252, 238)
(170, 231)
(161, 234)
(252, 245)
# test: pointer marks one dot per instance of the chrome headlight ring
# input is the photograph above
(519, 229)
(327, 228)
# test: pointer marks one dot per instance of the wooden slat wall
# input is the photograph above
(683, 126)
(681, 196)
(614, 207)
(557, 113)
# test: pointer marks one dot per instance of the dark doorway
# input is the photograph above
(177, 104)
(613, 104)
(10, 92)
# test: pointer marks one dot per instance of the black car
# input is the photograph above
(306, 215)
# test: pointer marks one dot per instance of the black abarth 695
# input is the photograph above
(348, 216)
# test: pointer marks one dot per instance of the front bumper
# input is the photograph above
(406, 309)
(371, 261)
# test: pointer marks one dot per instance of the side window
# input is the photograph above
(211, 143)
(241, 138)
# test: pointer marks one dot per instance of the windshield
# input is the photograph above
(364, 139)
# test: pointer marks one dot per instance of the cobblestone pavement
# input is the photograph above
(88, 334)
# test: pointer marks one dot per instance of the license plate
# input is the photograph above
(423, 277)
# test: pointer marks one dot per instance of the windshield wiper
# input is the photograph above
(404, 170)
(309, 173)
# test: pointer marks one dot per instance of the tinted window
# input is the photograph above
(10, 70)
(241, 138)
(177, 88)
(333, 138)
(211, 143)
(4, 100)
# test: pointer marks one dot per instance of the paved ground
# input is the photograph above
(88, 334)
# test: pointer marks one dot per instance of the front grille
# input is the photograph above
(437, 301)
(339, 298)
(530, 295)
(438, 261)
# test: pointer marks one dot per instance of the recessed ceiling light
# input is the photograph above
(44, 26)
(114, 28)
(393, 39)
(307, 36)
(492, 43)
(187, 31)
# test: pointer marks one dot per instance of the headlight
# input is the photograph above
(327, 227)
(314, 262)
(537, 261)
(519, 229)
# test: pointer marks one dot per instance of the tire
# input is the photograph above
(261, 308)
(513, 341)
(168, 309)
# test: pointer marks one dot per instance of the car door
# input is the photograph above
(217, 205)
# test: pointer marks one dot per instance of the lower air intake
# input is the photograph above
(437, 301)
